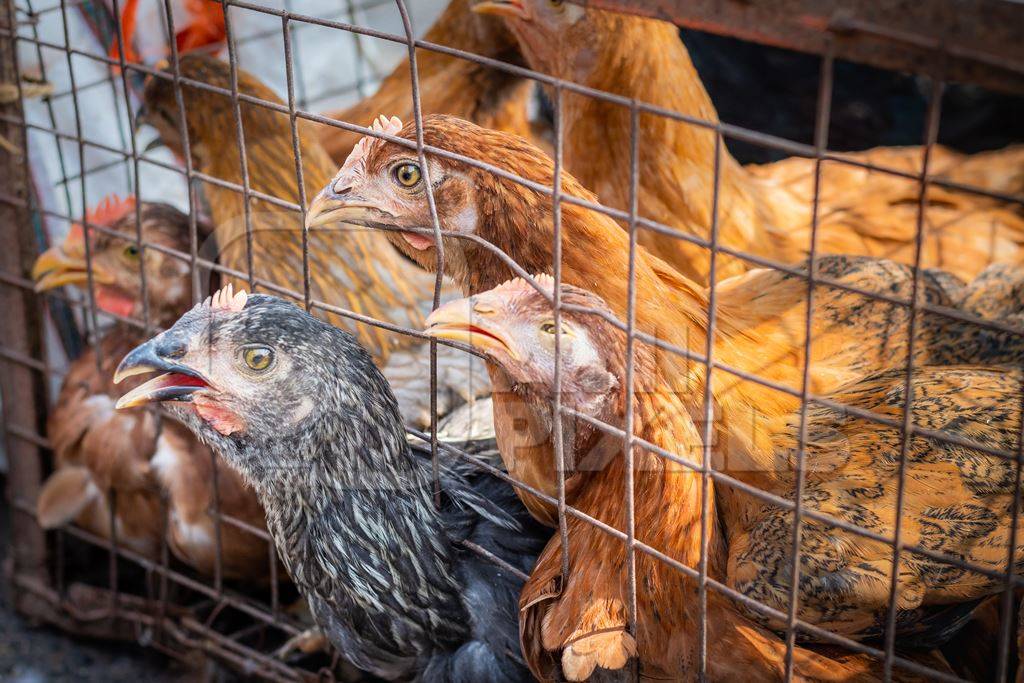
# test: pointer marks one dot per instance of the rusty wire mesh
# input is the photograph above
(152, 615)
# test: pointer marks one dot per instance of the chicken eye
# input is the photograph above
(258, 358)
(131, 251)
(549, 328)
(407, 175)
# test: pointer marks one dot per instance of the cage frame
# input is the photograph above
(939, 46)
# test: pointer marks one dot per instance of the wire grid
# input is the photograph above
(177, 636)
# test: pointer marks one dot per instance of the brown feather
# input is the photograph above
(578, 622)
(349, 267)
(760, 318)
(64, 496)
(448, 85)
(103, 454)
(354, 269)
(763, 210)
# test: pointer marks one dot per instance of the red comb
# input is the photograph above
(110, 210)
(205, 27)
(128, 14)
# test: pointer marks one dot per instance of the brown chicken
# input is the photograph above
(134, 454)
(759, 329)
(766, 210)
(348, 267)
(760, 315)
(448, 85)
(582, 619)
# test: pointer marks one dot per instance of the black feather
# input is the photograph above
(351, 507)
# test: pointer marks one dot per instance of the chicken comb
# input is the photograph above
(544, 280)
(206, 27)
(110, 210)
(129, 12)
(518, 285)
(225, 299)
(357, 157)
(388, 126)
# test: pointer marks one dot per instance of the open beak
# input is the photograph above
(176, 383)
(506, 8)
(464, 321)
(56, 268)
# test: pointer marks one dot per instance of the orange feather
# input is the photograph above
(206, 26)
(129, 11)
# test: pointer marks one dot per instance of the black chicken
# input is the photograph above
(300, 409)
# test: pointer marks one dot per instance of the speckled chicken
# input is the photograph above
(300, 409)
(761, 315)
(958, 503)
(763, 210)
(135, 454)
(996, 294)
(449, 85)
(348, 267)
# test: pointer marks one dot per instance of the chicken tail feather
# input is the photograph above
(937, 627)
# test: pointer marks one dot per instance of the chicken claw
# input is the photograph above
(307, 642)
(607, 649)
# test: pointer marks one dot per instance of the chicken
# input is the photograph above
(299, 408)
(449, 85)
(958, 502)
(576, 623)
(351, 268)
(996, 294)
(203, 26)
(765, 211)
(761, 316)
(134, 454)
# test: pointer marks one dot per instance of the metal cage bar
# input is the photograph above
(827, 31)
(821, 123)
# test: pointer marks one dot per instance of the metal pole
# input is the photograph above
(21, 387)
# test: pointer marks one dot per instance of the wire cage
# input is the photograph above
(98, 586)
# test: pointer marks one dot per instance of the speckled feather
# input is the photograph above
(996, 294)
(957, 501)
(351, 511)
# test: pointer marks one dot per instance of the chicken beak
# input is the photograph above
(328, 207)
(177, 383)
(141, 118)
(55, 267)
(516, 9)
(471, 323)
(155, 143)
